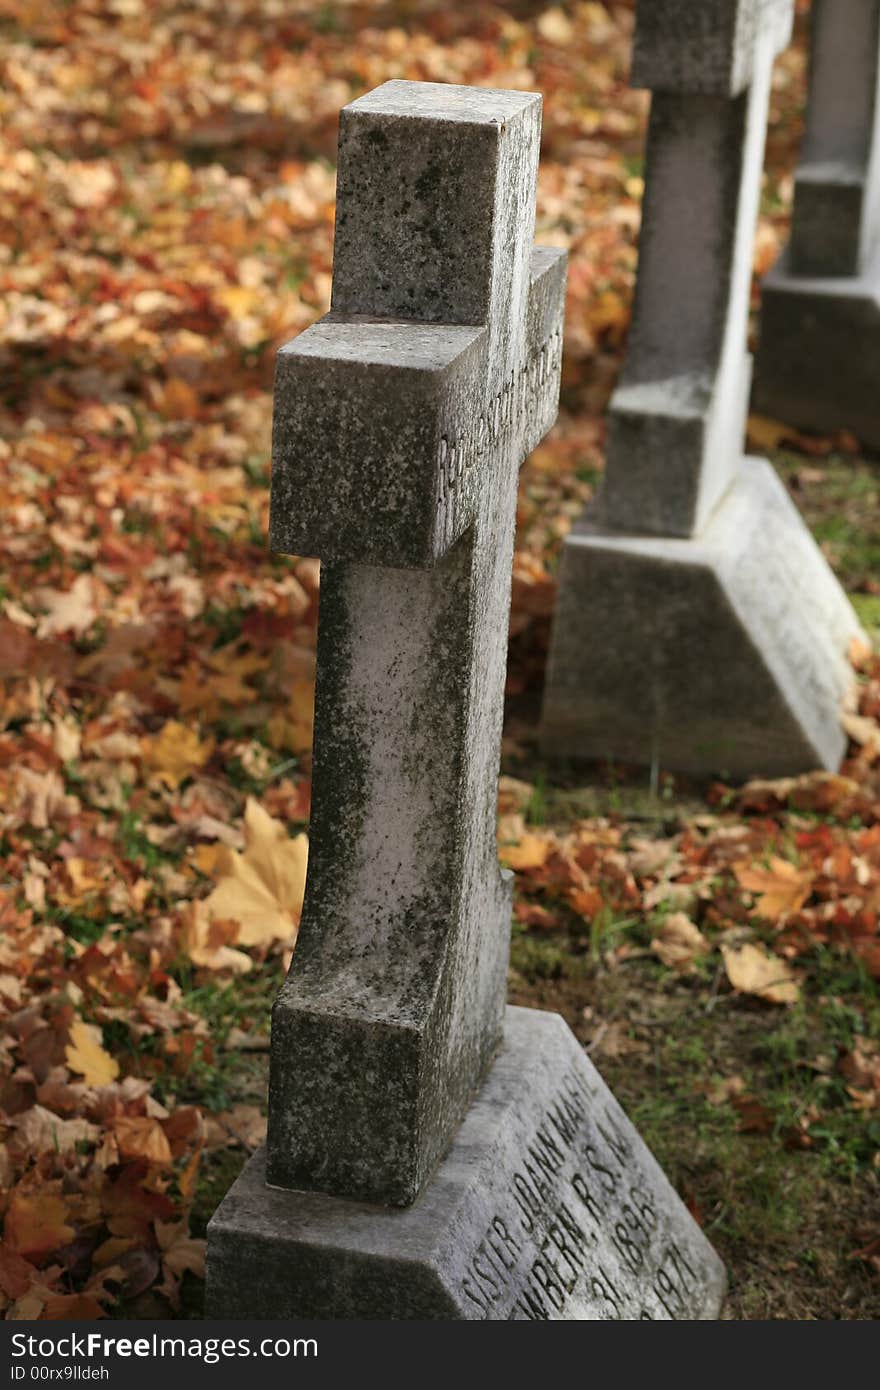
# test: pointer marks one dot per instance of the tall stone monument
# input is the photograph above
(818, 364)
(430, 1153)
(698, 627)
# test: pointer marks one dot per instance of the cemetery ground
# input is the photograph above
(168, 202)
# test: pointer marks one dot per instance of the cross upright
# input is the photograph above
(401, 421)
(819, 350)
(678, 417)
(837, 188)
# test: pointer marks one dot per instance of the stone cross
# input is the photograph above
(396, 1073)
(698, 627)
(835, 223)
(678, 417)
(401, 421)
(819, 356)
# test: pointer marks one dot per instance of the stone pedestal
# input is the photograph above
(722, 654)
(818, 364)
(547, 1206)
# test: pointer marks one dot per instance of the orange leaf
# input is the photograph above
(532, 852)
(139, 1136)
(36, 1224)
(783, 888)
(72, 1307)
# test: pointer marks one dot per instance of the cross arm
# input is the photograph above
(704, 47)
(384, 429)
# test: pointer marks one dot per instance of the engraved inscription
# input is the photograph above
(510, 409)
(578, 1225)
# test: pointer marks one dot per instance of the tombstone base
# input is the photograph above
(548, 1206)
(819, 360)
(724, 654)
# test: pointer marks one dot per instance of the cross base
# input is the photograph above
(547, 1206)
(725, 654)
(819, 361)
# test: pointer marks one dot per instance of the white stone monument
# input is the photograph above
(698, 627)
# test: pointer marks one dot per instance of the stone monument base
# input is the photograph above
(818, 366)
(548, 1206)
(723, 654)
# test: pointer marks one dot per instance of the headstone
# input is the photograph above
(818, 364)
(430, 1154)
(698, 627)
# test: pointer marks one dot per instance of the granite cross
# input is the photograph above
(401, 421)
(678, 418)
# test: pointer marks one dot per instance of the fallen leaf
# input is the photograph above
(752, 970)
(783, 888)
(262, 889)
(73, 610)
(86, 1055)
(679, 942)
(532, 852)
(176, 752)
(139, 1136)
(41, 1131)
(36, 1223)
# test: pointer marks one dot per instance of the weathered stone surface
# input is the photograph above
(548, 1205)
(724, 654)
(836, 216)
(706, 48)
(698, 628)
(396, 450)
(818, 363)
(678, 417)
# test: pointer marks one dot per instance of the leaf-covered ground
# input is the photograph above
(166, 201)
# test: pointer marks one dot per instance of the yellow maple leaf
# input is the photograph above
(86, 1055)
(176, 752)
(262, 889)
(206, 941)
(752, 970)
(783, 888)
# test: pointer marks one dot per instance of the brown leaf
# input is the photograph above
(36, 1223)
(139, 1136)
(679, 942)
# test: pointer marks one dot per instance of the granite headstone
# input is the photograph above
(698, 627)
(818, 363)
(430, 1154)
